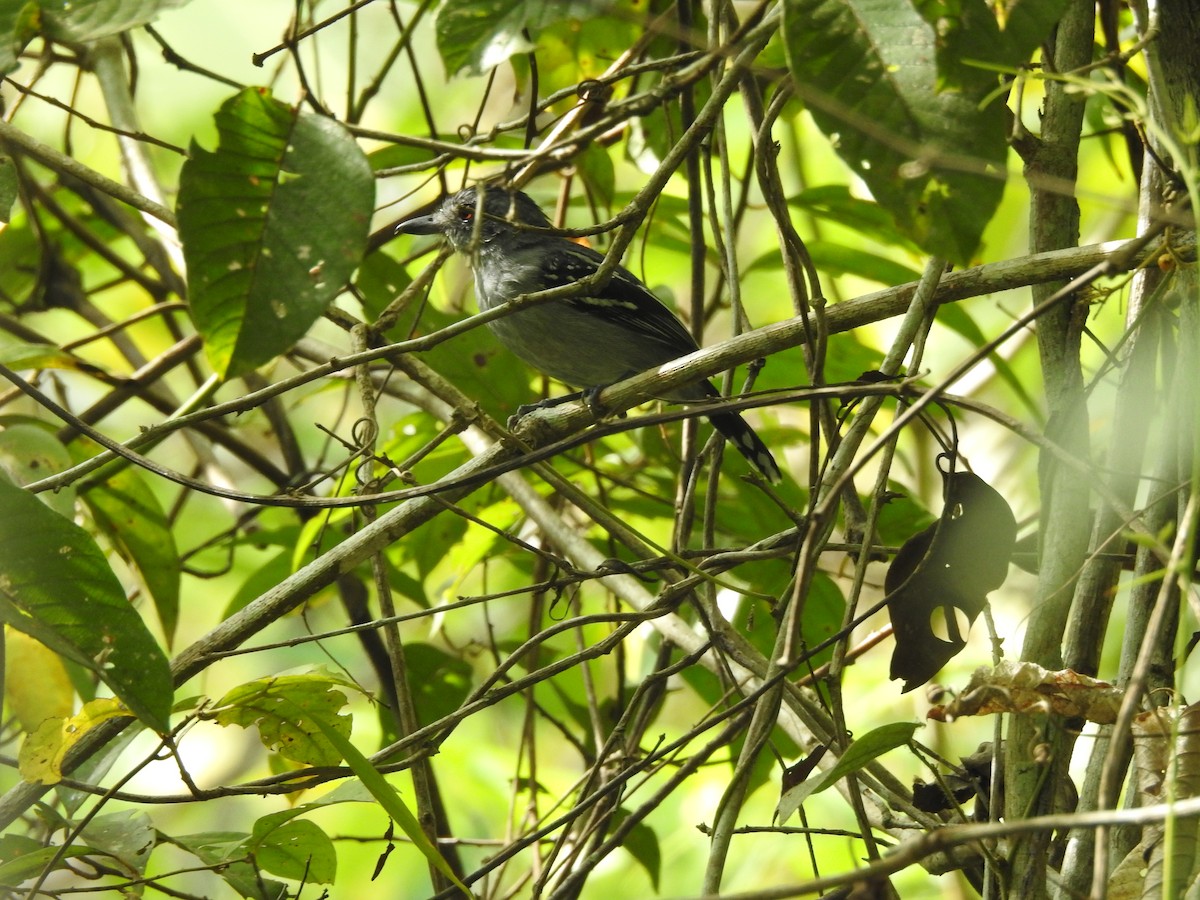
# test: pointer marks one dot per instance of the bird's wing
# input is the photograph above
(624, 299)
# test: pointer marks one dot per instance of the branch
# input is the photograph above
(66, 165)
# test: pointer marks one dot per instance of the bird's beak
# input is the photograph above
(419, 225)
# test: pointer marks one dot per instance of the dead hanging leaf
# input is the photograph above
(950, 566)
(1022, 687)
(973, 780)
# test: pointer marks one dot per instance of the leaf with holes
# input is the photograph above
(273, 223)
(289, 711)
(44, 749)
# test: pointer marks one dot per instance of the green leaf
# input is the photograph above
(8, 176)
(273, 223)
(476, 547)
(17, 354)
(835, 203)
(578, 41)
(224, 852)
(595, 167)
(22, 257)
(495, 378)
(967, 34)
(642, 844)
(901, 517)
(294, 714)
(79, 21)
(259, 580)
(127, 511)
(870, 746)
(956, 317)
(18, 25)
(440, 681)
(1027, 24)
(57, 586)
(971, 41)
(30, 451)
(127, 835)
(480, 34)
(348, 791)
(935, 159)
(834, 258)
(380, 280)
(390, 800)
(824, 610)
(22, 858)
(298, 850)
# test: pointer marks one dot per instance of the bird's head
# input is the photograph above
(464, 217)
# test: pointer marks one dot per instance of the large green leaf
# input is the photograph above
(89, 20)
(935, 159)
(836, 203)
(440, 682)
(273, 223)
(835, 258)
(57, 586)
(480, 34)
(126, 835)
(298, 850)
(18, 354)
(1027, 24)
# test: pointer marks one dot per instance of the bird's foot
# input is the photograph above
(549, 403)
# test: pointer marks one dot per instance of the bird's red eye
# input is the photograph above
(466, 214)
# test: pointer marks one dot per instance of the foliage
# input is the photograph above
(292, 607)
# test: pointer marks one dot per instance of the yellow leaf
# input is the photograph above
(42, 753)
(33, 698)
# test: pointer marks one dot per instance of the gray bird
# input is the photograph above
(589, 341)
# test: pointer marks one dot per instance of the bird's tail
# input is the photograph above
(736, 430)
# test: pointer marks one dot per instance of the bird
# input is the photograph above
(590, 341)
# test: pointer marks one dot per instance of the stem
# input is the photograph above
(1054, 223)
